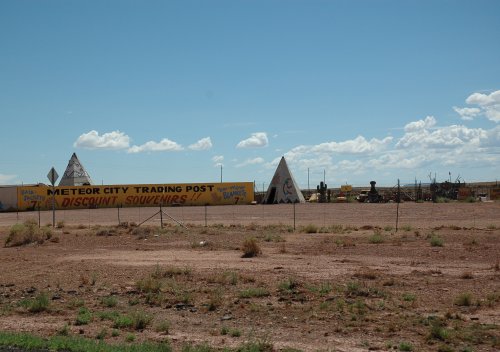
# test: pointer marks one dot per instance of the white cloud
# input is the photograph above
(443, 137)
(428, 122)
(218, 159)
(423, 146)
(489, 104)
(484, 99)
(358, 145)
(253, 161)
(7, 179)
(467, 113)
(256, 140)
(202, 144)
(165, 145)
(112, 140)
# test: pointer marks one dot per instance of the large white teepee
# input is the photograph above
(75, 174)
(283, 188)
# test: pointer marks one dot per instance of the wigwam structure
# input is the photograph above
(283, 188)
(75, 174)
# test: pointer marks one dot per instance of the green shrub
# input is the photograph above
(110, 301)
(409, 297)
(464, 299)
(438, 332)
(149, 284)
(36, 305)
(102, 334)
(254, 292)
(162, 326)
(436, 241)
(405, 346)
(287, 286)
(84, 316)
(123, 321)
(140, 320)
(64, 331)
(27, 233)
(442, 200)
(376, 238)
(406, 228)
(311, 228)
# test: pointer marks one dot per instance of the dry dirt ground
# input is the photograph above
(343, 280)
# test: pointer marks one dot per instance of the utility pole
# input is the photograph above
(308, 187)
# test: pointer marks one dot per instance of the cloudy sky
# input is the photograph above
(171, 91)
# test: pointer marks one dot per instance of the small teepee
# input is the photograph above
(75, 174)
(283, 188)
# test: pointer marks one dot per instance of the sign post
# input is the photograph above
(53, 176)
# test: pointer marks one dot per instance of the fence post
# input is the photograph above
(398, 199)
(206, 215)
(294, 216)
(118, 207)
(38, 215)
(161, 217)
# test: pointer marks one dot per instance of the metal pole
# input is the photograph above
(308, 187)
(38, 214)
(119, 222)
(53, 206)
(398, 199)
(161, 217)
(220, 173)
(293, 216)
(205, 215)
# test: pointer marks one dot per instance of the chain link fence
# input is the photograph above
(294, 215)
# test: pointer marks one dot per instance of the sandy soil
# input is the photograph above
(355, 285)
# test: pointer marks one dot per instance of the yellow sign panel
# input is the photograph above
(346, 188)
(83, 197)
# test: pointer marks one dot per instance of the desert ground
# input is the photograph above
(315, 277)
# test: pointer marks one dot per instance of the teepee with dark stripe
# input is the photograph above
(283, 188)
(75, 174)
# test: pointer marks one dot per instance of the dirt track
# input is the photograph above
(357, 286)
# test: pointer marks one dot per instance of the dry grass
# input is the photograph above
(251, 248)
(27, 233)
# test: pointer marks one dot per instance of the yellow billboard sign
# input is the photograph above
(83, 197)
(346, 188)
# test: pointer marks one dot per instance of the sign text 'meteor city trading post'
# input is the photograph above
(33, 197)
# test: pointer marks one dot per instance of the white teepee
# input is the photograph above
(75, 174)
(283, 188)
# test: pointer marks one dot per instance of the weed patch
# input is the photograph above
(464, 299)
(84, 316)
(251, 248)
(27, 233)
(311, 228)
(254, 292)
(36, 305)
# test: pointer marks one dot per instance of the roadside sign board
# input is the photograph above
(52, 176)
(346, 188)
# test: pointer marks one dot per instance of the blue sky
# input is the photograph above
(166, 91)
